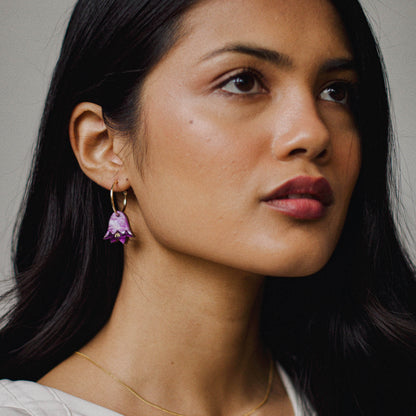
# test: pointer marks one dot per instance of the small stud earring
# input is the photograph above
(118, 225)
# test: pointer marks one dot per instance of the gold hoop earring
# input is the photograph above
(118, 225)
(113, 204)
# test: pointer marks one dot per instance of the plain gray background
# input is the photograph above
(31, 32)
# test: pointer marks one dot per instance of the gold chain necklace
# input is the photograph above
(155, 406)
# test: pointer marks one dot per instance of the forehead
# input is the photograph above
(286, 25)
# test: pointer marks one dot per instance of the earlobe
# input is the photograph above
(93, 144)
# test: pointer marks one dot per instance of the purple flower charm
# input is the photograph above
(118, 228)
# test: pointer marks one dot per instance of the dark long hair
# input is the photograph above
(346, 335)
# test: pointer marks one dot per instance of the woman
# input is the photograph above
(252, 140)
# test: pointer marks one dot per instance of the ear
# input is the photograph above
(93, 144)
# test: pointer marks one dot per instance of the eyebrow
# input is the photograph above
(339, 64)
(280, 59)
(268, 55)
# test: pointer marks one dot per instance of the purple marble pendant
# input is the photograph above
(118, 228)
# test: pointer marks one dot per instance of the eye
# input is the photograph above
(338, 92)
(246, 82)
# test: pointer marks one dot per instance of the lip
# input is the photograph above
(315, 195)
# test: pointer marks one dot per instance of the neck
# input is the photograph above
(186, 326)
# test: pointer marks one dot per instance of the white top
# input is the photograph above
(26, 398)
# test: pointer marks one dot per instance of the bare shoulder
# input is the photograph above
(68, 376)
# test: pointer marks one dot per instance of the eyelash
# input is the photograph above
(349, 87)
(256, 76)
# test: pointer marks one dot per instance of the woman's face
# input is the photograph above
(251, 148)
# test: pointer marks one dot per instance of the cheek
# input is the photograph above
(345, 150)
(347, 160)
(347, 164)
(194, 145)
(196, 169)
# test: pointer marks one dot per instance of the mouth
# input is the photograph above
(303, 197)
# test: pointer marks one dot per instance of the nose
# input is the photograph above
(300, 131)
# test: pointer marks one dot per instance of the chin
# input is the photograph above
(295, 266)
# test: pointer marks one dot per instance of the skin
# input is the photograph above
(184, 330)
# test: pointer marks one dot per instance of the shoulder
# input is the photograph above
(26, 398)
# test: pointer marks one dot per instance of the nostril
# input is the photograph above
(322, 154)
(300, 150)
(297, 151)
